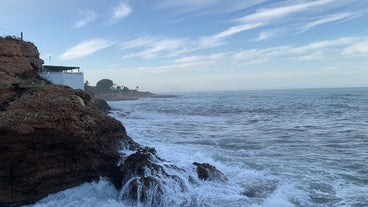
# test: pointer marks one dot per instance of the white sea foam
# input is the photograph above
(101, 193)
(277, 148)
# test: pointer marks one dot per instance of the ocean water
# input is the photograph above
(278, 148)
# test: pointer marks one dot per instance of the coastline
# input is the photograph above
(129, 96)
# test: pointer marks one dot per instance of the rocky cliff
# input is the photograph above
(51, 137)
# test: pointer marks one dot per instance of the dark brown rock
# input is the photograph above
(51, 137)
(144, 176)
(206, 171)
(101, 104)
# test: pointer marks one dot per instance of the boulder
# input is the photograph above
(209, 172)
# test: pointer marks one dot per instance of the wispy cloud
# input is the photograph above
(321, 50)
(205, 7)
(336, 43)
(326, 51)
(153, 46)
(359, 48)
(236, 29)
(265, 17)
(183, 6)
(85, 48)
(150, 47)
(201, 58)
(86, 16)
(121, 11)
(143, 41)
(274, 14)
(268, 34)
(327, 19)
(218, 39)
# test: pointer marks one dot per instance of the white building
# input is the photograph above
(63, 75)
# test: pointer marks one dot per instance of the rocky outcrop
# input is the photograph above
(206, 171)
(51, 137)
(101, 104)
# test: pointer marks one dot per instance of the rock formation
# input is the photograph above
(206, 171)
(101, 104)
(53, 138)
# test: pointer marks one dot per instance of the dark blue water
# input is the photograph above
(277, 147)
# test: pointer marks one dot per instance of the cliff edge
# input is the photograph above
(51, 137)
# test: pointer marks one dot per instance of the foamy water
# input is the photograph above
(277, 148)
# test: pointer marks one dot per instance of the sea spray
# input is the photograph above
(301, 148)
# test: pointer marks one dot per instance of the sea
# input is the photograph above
(277, 148)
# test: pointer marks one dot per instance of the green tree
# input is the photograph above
(104, 85)
(88, 88)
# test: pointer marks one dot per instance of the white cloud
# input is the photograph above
(327, 19)
(85, 48)
(158, 46)
(280, 15)
(120, 12)
(236, 29)
(87, 16)
(265, 17)
(238, 5)
(341, 42)
(322, 50)
(200, 58)
(190, 59)
(185, 5)
(359, 48)
(152, 47)
(318, 55)
(326, 52)
(143, 41)
(273, 14)
(182, 66)
(267, 34)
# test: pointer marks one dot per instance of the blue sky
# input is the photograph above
(192, 45)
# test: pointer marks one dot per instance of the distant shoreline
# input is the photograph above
(121, 96)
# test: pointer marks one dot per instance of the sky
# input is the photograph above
(200, 45)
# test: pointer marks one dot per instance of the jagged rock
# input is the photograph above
(144, 177)
(51, 137)
(147, 190)
(206, 171)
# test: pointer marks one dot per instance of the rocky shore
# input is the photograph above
(53, 138)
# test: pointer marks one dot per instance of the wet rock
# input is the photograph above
(206, 171)
(147, 190)
(146, 175)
